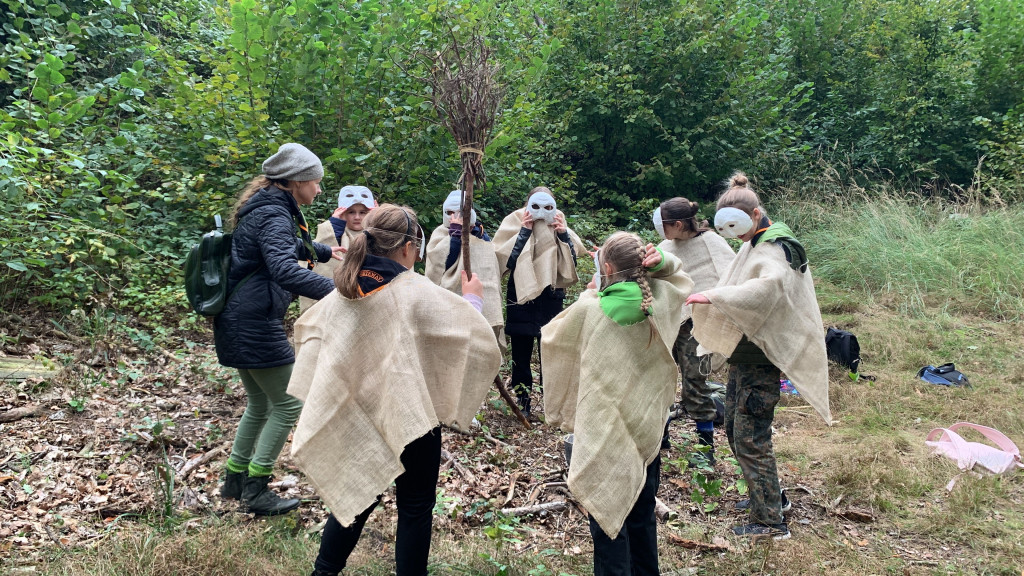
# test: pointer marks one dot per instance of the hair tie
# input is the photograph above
(369, 237)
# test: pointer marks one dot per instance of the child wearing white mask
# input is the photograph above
(443, 264)
(538, 250)
(609, 378)
(765, 320)
(705, 256)
(354, 203)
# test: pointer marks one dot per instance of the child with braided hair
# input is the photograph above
(609, 378)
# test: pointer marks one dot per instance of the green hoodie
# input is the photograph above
(782, 235)
(621, 301)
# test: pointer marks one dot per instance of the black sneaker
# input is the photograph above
(776, 531)
(524, 403)
(786, 504)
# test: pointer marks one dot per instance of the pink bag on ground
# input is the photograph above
(967, 455)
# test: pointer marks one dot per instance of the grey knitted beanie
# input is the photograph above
(293, 162)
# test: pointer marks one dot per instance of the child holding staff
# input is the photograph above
(705, 256)
(372, 411)
(444, 259)
(763, 316)
(609, 378)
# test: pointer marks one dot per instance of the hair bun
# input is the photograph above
(738, 180)
(693, 206)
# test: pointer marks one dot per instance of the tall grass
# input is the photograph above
(912, 252)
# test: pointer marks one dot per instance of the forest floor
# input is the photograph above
(117, 469)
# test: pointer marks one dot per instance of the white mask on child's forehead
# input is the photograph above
(658, 224)
(453, 203)
(352, 195)
(541, 206)
(732, 222)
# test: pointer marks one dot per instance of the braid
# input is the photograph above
(642, 280)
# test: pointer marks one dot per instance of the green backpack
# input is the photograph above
(206, 272)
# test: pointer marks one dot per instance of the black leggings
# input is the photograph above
(635, 551)
(522, 354)
(415, 492)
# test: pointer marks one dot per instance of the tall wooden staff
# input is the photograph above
(466, 96)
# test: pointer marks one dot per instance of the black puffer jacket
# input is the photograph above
(249, 333)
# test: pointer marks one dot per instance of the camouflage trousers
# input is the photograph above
(750, 399)
(696, 396)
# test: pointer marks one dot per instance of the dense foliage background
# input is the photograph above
(125, 125)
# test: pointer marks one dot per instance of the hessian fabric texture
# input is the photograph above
(485, 266)
(612, 386)
(761, 296)
(544, 261)
(432, 359)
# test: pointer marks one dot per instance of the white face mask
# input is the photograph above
(542, 207)
(732, 222)
(423, 243)
(658, 224)
(597, 270)
(454, 204)
(352, 195)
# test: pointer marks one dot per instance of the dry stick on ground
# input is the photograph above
(15, 414)
(556, 506)
(198, 461)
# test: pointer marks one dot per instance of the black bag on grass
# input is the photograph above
(842, 348)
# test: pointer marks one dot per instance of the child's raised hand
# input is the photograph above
(527, 220)
(559, 223)
(339, 213)
(456, 217)
(338, 252)
(472, 285)
(652, 257)
(697, 298)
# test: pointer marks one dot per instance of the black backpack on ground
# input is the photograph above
(842, 348)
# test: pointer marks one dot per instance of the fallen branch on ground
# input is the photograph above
(663, 512)
(190, 466)
(15, 414)
(696, 545)
(556, 506)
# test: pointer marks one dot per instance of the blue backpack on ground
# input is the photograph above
(945, 375)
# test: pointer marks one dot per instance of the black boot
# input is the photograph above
(524, 403)
(259, 500)
(707, 438)
(233, 481)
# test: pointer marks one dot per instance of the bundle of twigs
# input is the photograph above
(466, 95)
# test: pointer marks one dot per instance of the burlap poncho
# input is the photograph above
(544, 261)
(705, 258)
(325, 235)
(761, 296)
(485, 266)
(603, 382)
(376, 373)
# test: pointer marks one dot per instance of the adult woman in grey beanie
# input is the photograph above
(270, 233)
